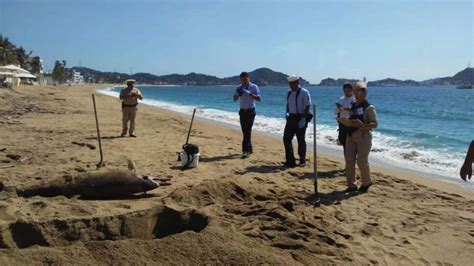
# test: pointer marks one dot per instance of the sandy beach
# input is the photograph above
(228, 210)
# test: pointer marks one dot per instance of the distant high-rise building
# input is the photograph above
(77, 78)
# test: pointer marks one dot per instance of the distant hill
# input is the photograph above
(261, 77)
(330, 82)
(390, 82)
(463, 77)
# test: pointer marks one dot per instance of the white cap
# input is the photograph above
(361, 84)
(129, 81)
(293, 78)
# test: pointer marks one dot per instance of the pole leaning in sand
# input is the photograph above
(101, 162)
(190, 126)
(315, 153)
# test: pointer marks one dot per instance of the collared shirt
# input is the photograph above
(130, 101)
(246, 101)
(304, 100)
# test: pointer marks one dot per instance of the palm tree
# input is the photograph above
(36, 65)
(7, 55)
(23, 57)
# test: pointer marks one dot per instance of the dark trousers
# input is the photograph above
(292, 129)
(247, 117)
(342, 134)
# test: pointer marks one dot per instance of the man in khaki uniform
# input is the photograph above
(129, 97)
(363, 119)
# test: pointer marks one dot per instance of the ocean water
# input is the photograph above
(423, 129)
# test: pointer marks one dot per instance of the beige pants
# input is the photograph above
(357, 149)
(128, 114)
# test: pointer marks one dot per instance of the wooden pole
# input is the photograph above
(101, 162)
(190, 126)
(315, 153)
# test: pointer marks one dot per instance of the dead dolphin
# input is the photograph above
(92, 185)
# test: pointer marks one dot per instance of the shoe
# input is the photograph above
(133, 136)
(350, 190)
(123, 135)
(363, 189)
(302, 164)
(245, 155)
(289, 165)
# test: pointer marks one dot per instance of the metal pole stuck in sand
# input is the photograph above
(190, 126)
(315, 153)
(101, 163)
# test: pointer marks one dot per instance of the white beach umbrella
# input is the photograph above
(25, 75)
(13, 68)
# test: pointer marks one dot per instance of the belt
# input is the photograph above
(247, 110)
(129, 105)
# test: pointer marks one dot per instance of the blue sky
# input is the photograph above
(316, 39)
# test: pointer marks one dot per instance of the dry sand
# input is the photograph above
(228, 210)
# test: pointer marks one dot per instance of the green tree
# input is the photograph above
(7, 51)
(36, 65)
(60, 73)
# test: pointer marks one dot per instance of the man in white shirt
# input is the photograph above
(297, 116)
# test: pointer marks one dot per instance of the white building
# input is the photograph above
(77, 78)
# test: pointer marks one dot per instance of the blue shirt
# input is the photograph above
(246, 101)
(304, 99)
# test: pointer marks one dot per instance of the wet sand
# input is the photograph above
(229, 210)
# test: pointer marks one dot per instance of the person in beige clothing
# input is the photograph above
(129, 96)
(359, 140)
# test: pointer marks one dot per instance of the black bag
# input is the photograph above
(190, 150)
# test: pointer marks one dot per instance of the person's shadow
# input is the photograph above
(324, 175)
(105, 137)
(264, 169)
(206, 159)
(331, 198)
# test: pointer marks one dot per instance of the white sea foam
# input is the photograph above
(387, 150)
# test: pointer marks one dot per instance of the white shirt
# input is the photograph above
(304, 100)
(343, 107)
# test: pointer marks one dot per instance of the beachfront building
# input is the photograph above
(77, 78)
(12, 76)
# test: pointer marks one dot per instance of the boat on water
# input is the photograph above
(465, 87)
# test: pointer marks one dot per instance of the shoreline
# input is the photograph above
(329, 151)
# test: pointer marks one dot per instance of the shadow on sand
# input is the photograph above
(264, 169)
(106, 137)
(206, 159)
(324, 175)
(331, 198)
(128, 197)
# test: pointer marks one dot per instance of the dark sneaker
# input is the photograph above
(302, 164)
(123, 135)
(350, 190)
(245, 155)
(133, 136)
(363, 189)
